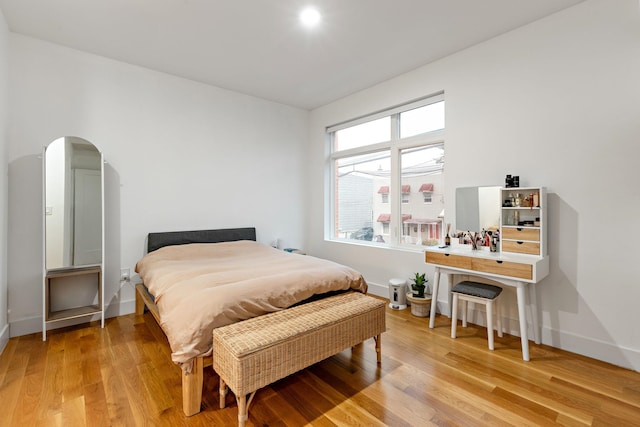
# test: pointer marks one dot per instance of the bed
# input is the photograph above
(195, 281)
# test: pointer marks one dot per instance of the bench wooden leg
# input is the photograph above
(378, 339)
(223, 393)
(243, 410)
(192, 388)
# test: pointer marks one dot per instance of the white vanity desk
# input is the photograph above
(506, 268)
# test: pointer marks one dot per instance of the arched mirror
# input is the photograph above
(74, 232)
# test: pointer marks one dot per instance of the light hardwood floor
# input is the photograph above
(123, 375)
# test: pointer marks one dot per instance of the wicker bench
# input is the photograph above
(257, 352)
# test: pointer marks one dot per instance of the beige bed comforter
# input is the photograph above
(201, 286)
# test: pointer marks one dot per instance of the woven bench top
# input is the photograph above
(258, 333)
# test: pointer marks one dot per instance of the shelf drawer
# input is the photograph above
(529, 248)
(503, 268)
(521, 233)
(448, 260)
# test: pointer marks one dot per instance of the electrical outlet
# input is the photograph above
(124, 275)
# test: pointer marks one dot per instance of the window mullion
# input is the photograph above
(394, 187)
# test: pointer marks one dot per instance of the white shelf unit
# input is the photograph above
(523, 228)
(56, 279)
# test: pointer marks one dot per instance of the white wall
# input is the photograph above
(557, 103)
(4, 142)
(180, 156)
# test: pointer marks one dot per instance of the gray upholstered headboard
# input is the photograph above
(159, 240)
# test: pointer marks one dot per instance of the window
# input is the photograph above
(427, 190)
(421, 120)
(363, 134)
(384, 193)
(406, 191)
(387, 173)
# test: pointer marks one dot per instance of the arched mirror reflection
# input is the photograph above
(73, 204)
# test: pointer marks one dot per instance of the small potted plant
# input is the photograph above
(420, 303)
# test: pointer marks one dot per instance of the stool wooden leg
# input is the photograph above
(465, 308)
(454, 315)
(489, 306)
(498, 317)
(378, 340)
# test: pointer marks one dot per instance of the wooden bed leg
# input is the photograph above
(223, 393)
(139, 303)
(192, 388)
(378, 339)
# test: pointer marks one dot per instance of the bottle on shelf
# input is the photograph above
(447, 239)
(493, 246)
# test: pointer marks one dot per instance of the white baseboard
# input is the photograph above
(125, 307)
(25, 326)
(627, 358)
(596, 349)
(4, 337)
(378, 290)
(32, 325)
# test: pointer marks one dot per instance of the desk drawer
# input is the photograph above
(529, 248)
(521, 234)
(503, 268)
(448, 260)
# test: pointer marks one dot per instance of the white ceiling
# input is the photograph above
(258, 47)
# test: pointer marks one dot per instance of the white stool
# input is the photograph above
(478, 293)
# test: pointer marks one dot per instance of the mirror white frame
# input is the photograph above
(73, 230)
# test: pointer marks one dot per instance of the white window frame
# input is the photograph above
(395, 145)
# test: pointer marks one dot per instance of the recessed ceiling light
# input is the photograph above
(310, 17)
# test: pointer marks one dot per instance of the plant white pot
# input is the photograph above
(420, 307)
